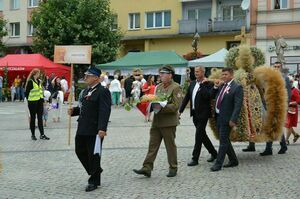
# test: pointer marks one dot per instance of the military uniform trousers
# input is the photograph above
(84, 148)
(156, 136)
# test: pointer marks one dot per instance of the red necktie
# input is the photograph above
(220, 97)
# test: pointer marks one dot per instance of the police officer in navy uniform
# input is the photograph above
(93, 120)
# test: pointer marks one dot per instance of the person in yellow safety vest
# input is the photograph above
(35, 97)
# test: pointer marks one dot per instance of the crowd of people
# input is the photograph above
(101, 94)
(129, 89)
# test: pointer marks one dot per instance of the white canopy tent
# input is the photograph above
(214, 60)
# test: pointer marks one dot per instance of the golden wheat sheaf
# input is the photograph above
(256, 122)
(250, 118)
(215, 75)
(243, 127)
(245, 59)
(272, 88)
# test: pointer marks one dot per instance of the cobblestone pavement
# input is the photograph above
(50, 169)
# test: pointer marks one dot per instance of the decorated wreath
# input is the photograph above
(265, 98)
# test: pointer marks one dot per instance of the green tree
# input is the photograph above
(3, 33)
(76, 22)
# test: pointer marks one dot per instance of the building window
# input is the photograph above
(192, 14)
(14, 4)
(233, 13)
(158, 19)
(1, 5)
(134, 21)
(33, 3)
(115, 22)
(15, 29)
(202, 14)
(238, 13)
(31, 29)
(227, 13)
(281, 4)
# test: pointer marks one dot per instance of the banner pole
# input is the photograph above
(70, 104)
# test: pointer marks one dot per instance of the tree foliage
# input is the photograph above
(76, 22)
(3, 33)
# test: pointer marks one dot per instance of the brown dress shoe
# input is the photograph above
(172, 173)
(142, 171)
(296, 138)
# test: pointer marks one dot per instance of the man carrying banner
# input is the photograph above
(93, 119)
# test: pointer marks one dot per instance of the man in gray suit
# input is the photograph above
(229, 101)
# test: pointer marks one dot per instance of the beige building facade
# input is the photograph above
(275, 18)
(171, 24)
(148, 25)
(17, 14)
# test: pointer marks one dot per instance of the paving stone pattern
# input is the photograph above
(50, 169)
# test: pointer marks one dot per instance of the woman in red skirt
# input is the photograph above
(148, 88)
(292, 116)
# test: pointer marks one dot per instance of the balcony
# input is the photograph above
(189, 26)
(205, 26)
(227, 26)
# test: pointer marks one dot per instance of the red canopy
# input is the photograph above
(22, 64)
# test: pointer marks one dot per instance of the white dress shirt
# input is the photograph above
(195, 90)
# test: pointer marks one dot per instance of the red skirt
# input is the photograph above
(143, 107)
(291, 120)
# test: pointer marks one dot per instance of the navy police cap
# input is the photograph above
(92, 70)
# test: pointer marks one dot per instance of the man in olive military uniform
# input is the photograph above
(164, 123)
(93, 118)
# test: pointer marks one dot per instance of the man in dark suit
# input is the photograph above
(93, 119)
(229, 101)
(200, 109)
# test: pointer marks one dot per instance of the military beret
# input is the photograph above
(168, 69)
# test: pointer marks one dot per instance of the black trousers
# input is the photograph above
(225, 146)
(84, 148)
(202, 138)
(36, 108)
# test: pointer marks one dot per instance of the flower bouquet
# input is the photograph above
(149, 103)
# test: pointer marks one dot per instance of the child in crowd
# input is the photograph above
(12, 92)
(136, 90)
(56, 103)
(46, 107)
